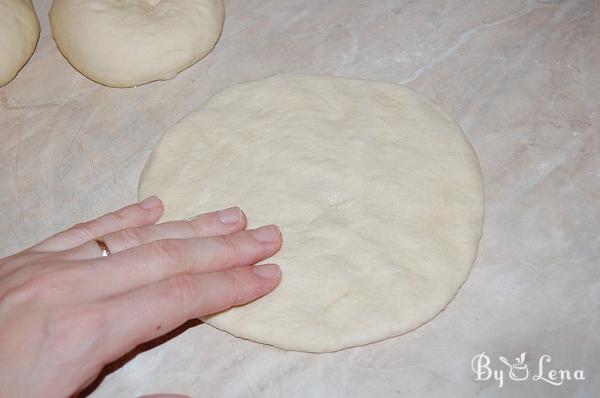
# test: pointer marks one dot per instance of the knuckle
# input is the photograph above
(187, 227)
(171, 251)
(121, 215)
(134, 236)
(18, 261)
(181, 288)
(232, 249)
(79, 326)
(197, 227)
(235, 289)
(14, 296)
(41, 283)
(83, 230)
(37, 287)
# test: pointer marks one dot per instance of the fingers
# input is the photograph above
(163, 259)
(222, 222)
(140, 214)
(150, 312)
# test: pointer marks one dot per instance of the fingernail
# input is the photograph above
(266, 234)
(268, 271)
(233, 215)
(150, 203)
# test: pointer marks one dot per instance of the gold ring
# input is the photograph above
(103, 246)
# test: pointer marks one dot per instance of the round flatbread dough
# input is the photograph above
(19, 33)
(126, 43)
(377, 191)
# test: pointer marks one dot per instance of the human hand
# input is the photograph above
(66, 311)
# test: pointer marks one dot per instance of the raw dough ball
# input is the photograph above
(19, 33)
(377, 191)
(125, 43)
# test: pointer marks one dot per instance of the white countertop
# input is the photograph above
(521, 77)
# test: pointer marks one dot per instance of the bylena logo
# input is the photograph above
(519, 370)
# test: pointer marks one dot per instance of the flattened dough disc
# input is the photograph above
(377, 191)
